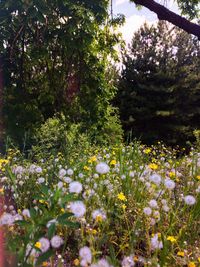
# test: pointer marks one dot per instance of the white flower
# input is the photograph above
(153, 203)
(132, 173)
(56, 241)
(18, 170)
(31, 251)
(103, 263)
(169, 184)
(147, 211)
(38, 169)
(165, 208)
(60, 185)
(70, 172)
(40, 180)
(45, 244)
(86, 254)
(83, 263)
(98, 214)
(102, 168)
(17, 217)
(62, 172)
(128, 261)
(32, 168)
(75, 187)
(6, 219)
(189, 200)
(198, 189)
(155, 243)
(78, 208)
(96, 175)
(155, 178)
(26, 213)
(67, 180)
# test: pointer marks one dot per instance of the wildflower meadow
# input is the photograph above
(118, 206)
(99, 133)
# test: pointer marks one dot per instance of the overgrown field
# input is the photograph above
(121, 206)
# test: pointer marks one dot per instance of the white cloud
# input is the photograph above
(120, 2)
(132, 24)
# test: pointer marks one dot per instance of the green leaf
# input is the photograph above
(51, 230)
(62, 218)
(33, 213)
(71, 224)
(22, 223)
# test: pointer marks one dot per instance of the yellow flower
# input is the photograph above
(172, 175)
(62, 210)
(99, 218)
(198, 177)
(113, 162)
(76, 262)
(198, 259)
(171, 239)
(86, 168)
(123, 206)
(121, 197)
(92, 159)
(44, 264)
(191, 264)
(147, 150)
(181, 253)
(38, 245)
(153, 166)
(1, 190)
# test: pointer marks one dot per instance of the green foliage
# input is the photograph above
(55, 61)
(159, 87)
(57, 135)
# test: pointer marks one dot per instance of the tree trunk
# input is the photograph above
(165, 14)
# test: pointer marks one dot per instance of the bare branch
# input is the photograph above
(165, 14)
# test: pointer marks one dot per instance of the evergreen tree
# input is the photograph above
(154, 81)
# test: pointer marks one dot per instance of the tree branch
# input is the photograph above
(165, 14)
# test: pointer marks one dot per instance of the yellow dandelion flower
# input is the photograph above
(76, 262)
(86, 168)
(181, 253)
(153, 166)
(191, 264)
(99, 218)
(92, 159)
(172, 175)
(123, 206)
(44, 264)
(113, 162)
(38, 245)
(147, 150)
(171, 238)
(121, 197)
(159, 235)
(198, 177)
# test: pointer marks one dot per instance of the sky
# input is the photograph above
(135, 18)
